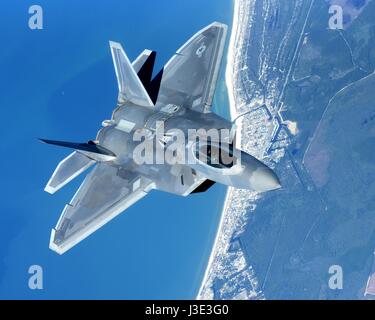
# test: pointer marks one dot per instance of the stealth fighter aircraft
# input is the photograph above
(177, 98)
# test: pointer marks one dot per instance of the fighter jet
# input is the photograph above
(178, 97)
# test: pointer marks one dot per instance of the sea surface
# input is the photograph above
(59, 83)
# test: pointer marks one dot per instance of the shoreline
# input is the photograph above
(230, 60)
(233, 114)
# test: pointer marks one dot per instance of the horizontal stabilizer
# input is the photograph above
(69, 168)
(130, 86)
(90, 147)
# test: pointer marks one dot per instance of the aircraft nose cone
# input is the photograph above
(264, 179)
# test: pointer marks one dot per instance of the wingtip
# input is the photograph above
(53, 246)
(147, 51)
(219, 25)
(49, 189)
(114, 44)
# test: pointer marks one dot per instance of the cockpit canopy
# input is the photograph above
(216, 155)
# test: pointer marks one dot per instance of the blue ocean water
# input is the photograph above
(59, 83)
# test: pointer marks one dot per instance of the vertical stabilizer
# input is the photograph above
(130, 86)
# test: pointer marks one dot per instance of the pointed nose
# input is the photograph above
(264, 179)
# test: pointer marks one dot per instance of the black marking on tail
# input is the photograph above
(154, 86)
(145, 75)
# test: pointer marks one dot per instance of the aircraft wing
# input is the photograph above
(106, 192)
(190, 76)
